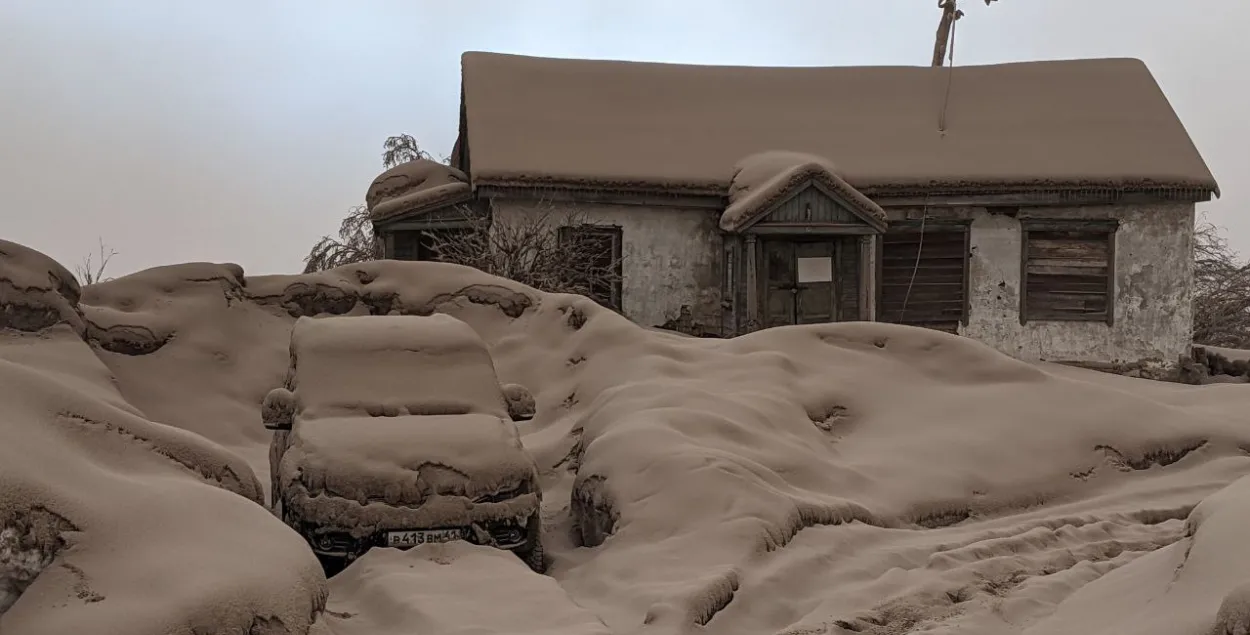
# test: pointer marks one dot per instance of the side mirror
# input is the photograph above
(278, 409)
(521, 405)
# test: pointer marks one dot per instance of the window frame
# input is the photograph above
(1109, 228)
(616, 236)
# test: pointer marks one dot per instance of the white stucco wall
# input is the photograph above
(671, 257)
(1153, 282)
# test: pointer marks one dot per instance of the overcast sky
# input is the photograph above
(240, 131)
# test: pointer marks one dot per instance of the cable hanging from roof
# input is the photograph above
(950, 72)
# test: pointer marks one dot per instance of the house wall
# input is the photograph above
(671, 257)
(1153, 315)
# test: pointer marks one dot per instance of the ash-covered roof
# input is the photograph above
(1050, 125)
(414, 187)
(762, 180)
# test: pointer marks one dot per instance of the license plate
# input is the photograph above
(421, 537)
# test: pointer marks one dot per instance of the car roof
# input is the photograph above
(434, 333)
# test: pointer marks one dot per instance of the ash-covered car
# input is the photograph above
(393, 431)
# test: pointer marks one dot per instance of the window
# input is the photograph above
(924, 275)
(594, 253)
(1067, 270)
(421, 244)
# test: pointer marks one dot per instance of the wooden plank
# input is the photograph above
(1111, 279)
(1045, 283)
(1073, 249)
(934, 303)
(901, 257)
(928, 238)
(902, 282)
(754, 314)
(1023, 308)
(1069, 303)
(814, 229)
(921, 277)
(950, 267)
(904, 228)
(963, 319)
(1069, 262)
(1068, 298)
(943, 286)
(951, 248)
(946, 234)
(951, 285)
(1079, 270)
(1069, 225)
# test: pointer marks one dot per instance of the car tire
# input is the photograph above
(532, 553)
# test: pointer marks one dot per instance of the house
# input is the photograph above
(1045, 208)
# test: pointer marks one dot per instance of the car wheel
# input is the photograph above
(531, 553)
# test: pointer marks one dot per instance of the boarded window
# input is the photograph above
(422, 244)
(595, 252)
(1068, 270)
(924, 276)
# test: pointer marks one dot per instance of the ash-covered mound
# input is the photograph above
(839, 478)
(111, 522)
(36, 292)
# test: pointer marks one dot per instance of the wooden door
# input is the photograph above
(780, 283)
(815, 275)
(799, 285)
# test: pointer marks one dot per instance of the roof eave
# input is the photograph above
(1110, 192)
(404, 213)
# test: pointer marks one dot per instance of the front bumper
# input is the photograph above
(333, 543)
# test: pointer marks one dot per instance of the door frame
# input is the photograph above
(757, 278)
(835, 246)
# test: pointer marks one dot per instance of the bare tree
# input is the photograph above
(1221, 298)
(356, 242)
(542, 249)
(401, 149)
(91, 271)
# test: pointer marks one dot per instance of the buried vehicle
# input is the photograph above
(393, 431)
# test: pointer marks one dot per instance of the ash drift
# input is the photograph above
(839, 478)
(418, 449)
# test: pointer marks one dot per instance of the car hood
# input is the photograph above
(405, 460)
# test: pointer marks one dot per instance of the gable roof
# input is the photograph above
(761, 181)
(1053, 125)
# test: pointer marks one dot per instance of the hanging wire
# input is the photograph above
(916, 266)
(950, 74)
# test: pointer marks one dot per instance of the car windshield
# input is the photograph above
(393, 365)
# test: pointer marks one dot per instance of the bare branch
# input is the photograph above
(1221, 298)
(528, 249)
(401, 149)
(356, 242)
(91, 272)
